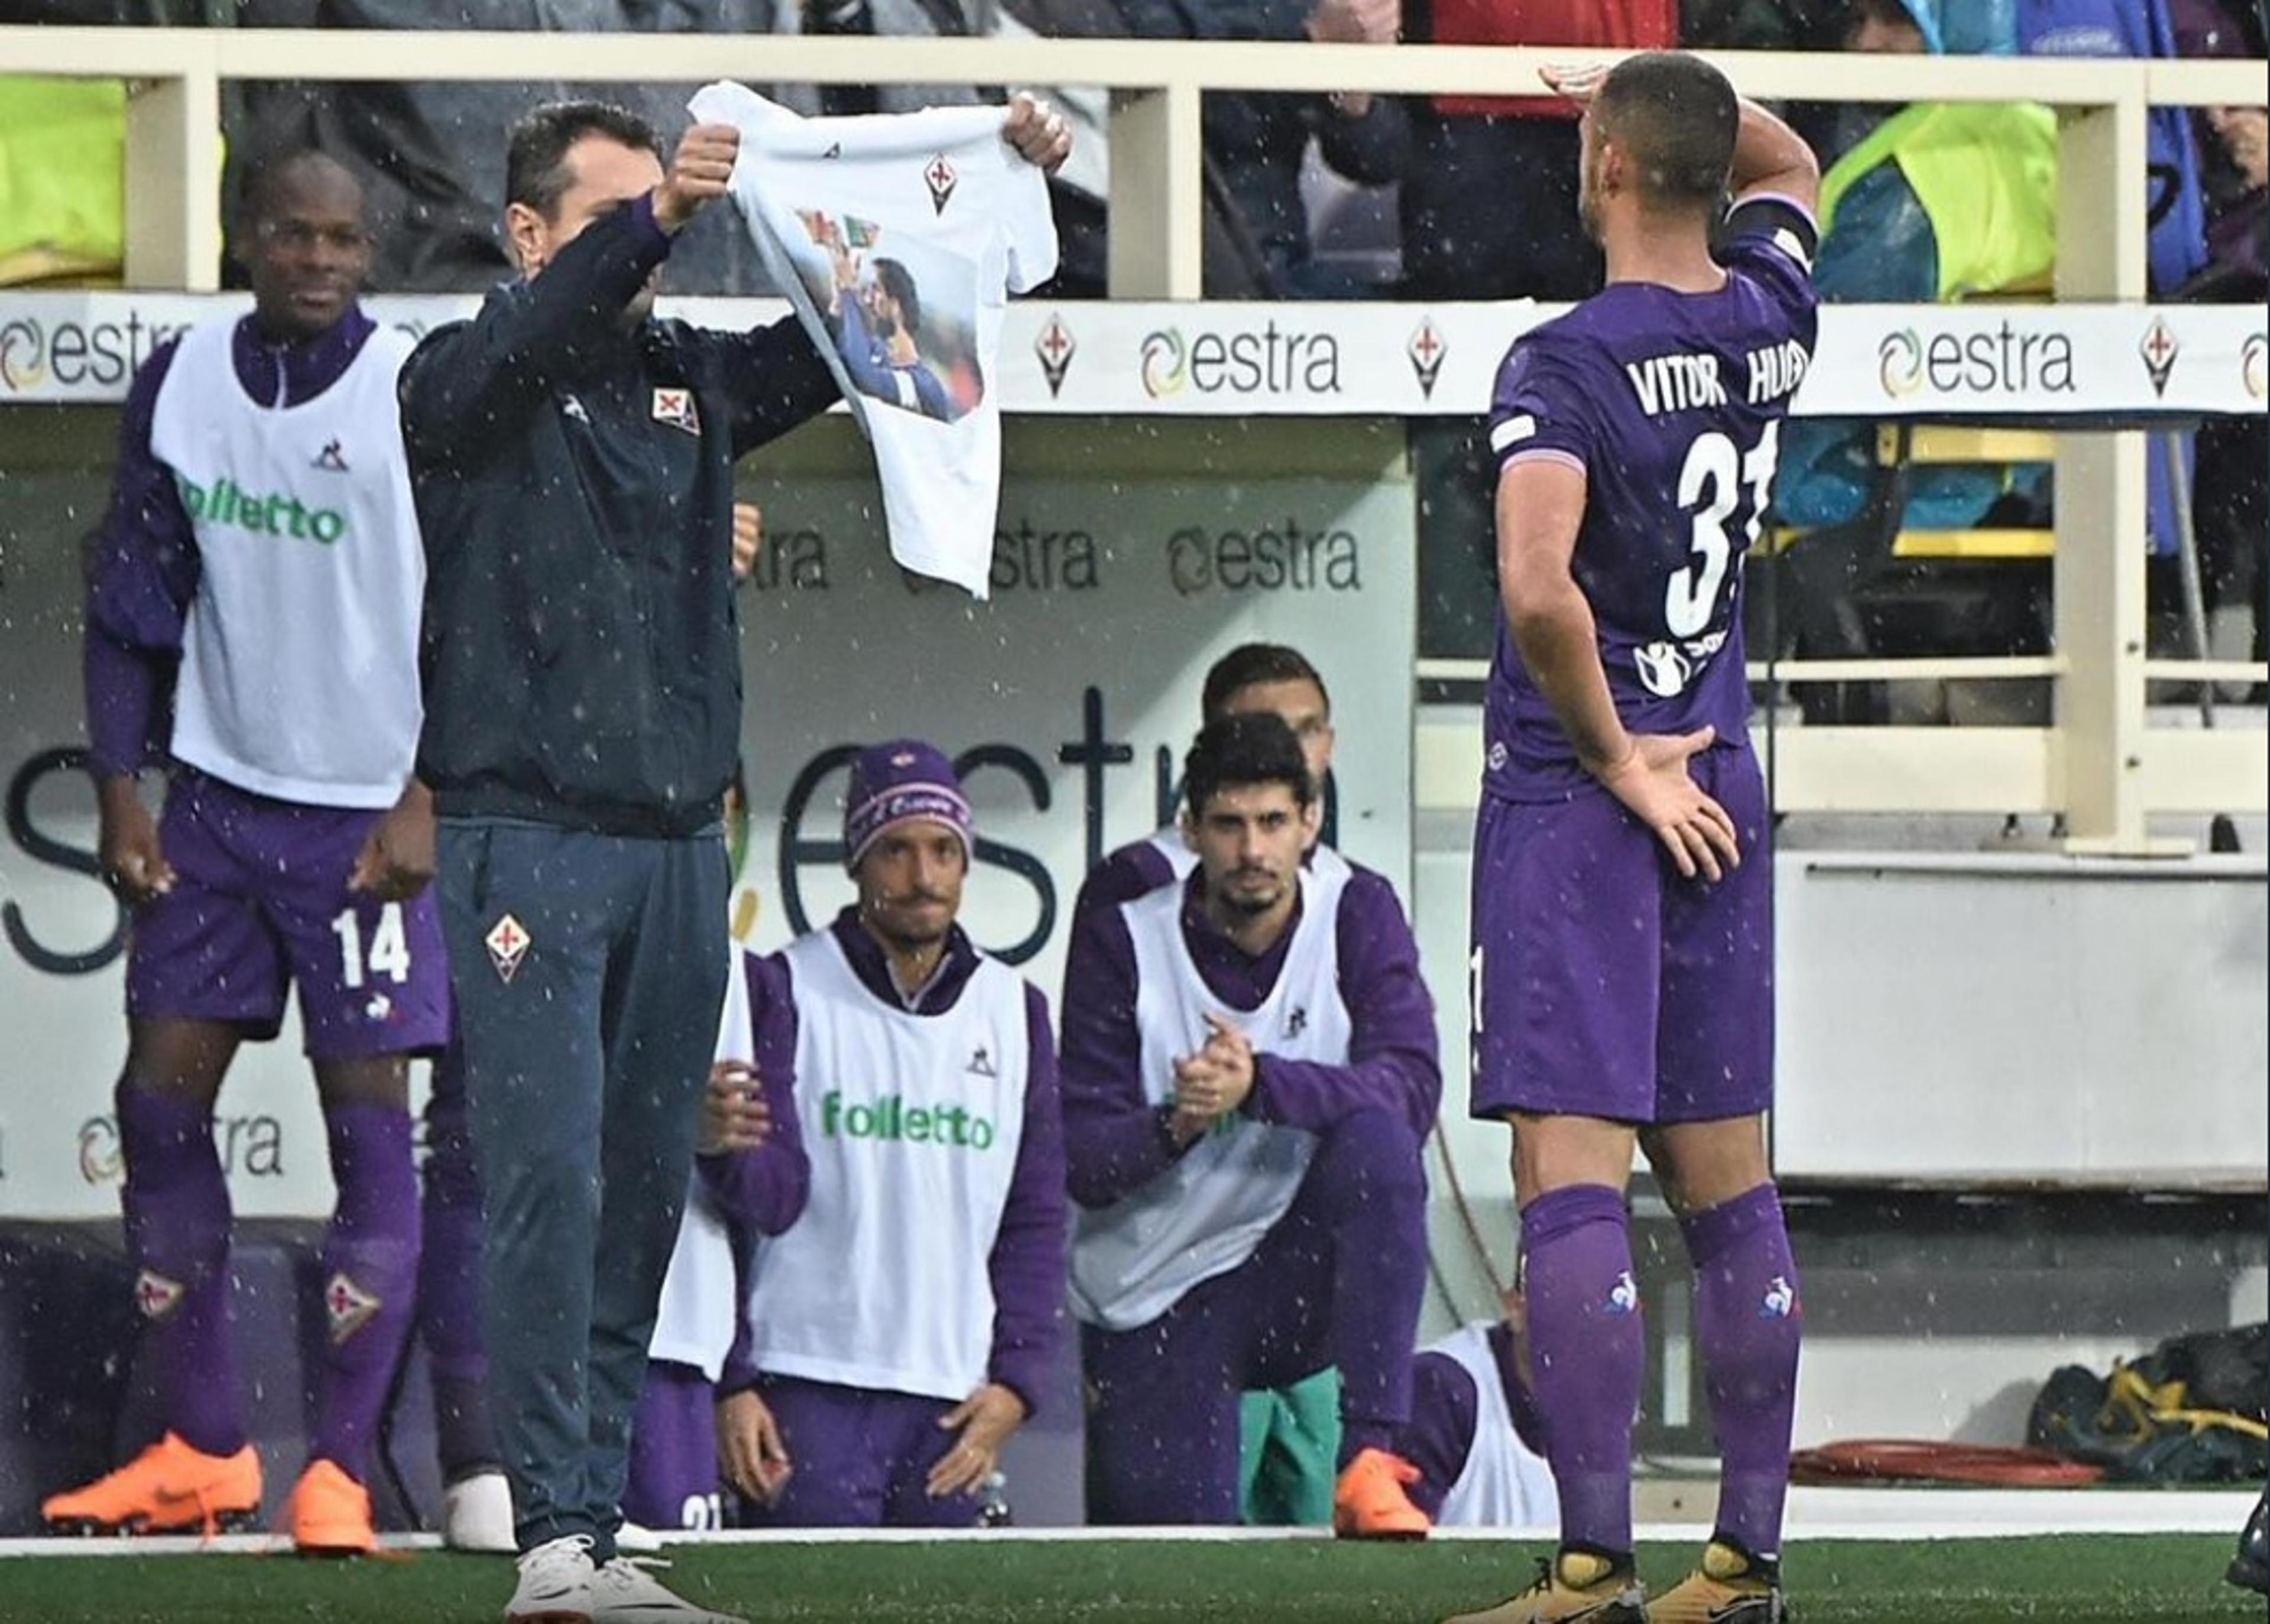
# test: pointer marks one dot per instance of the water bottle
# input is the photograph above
(994, 1512)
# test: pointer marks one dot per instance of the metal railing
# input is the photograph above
(2100, 766)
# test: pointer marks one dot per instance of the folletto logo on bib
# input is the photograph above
(276, 513)
(953, 1126)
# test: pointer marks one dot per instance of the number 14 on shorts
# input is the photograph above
(387, 953)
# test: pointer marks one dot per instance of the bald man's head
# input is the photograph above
(306, 244)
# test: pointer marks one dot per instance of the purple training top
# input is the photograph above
(1671, 405)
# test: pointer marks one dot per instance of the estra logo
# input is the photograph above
(1275, 360)
(76, 354)
(1989, 363)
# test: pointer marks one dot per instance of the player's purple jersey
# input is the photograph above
(1672, 406)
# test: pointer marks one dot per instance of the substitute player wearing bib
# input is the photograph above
(751, 1176)
(901, 1330)
(261, 553)
(1623, 946)
(1250, 1067)
(1475, 1436)
(1289, 1437)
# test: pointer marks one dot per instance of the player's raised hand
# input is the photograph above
(752, 1455)
(1579, 82)
(1654, 782)
(985, 1420)
(397, 860)
(130, 855)
(748, 538)
(699, 172)
(1040, 133)
(734, 1114)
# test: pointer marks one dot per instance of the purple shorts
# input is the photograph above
(860, 1459)
(674, 1483)
(1606, 986)
(260, 904)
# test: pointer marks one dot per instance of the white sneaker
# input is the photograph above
(556, 1584)
(633, 1540)
(477, 1514)
(623, 1594)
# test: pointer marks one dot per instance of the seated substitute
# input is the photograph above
(1250, 1069)
(900, 1333)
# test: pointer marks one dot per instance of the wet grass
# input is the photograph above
(2138, 1579)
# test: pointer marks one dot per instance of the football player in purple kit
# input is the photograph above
(261, 566)
(1622, 961)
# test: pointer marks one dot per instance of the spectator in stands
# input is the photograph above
(1941, 202)
(63, 170)
(2230, 501)
(427, 153)
(2177, 246)
(1489, 206)
(1258, 240)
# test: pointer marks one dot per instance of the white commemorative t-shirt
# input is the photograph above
(1204, 1216)
(299, 674)
(913, 1124)
(1502, 1483)
(898, 238)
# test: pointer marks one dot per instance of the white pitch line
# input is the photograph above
(1878, 1513)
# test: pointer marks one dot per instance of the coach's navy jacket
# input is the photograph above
(574, 481)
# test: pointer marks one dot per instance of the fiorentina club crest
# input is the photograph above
(1427, 350)
(1055, 348)
(156, 1295)
(347, 1306)
(938, 176)
(507, 944)
(676, 408)
(2159, 349)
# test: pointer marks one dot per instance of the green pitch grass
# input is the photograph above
(2134, 1579)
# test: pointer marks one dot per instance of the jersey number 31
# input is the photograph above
(1711, 484)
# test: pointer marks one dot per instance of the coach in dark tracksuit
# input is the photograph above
(572, 459)
(573, 463)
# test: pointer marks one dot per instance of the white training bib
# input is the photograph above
(913, 1124)
(1502, 1484)
(298, 675)
(695, 1320)
(1132, 1261)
